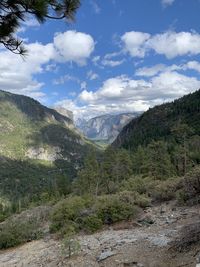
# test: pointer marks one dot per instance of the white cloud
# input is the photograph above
(65, 78)
(28, 23)
(193, 65)
(171, 44)
(73, 46)
(159, 68)
(112, 63)
(95, 7)
(167, 2)
(92, 75)
(134, 43)
(83, 85)
(123, 94)
(150, 71)
(17, 75)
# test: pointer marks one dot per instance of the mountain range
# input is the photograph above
(106, 127)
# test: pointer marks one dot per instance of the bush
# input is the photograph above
(134, 198)
(142, 201)
(79, 214)
(191, 187)
(92, 223)
(14, 233)
(68, 212)
(112, 208)
(135, 184)
(165, 190)
(188, 235)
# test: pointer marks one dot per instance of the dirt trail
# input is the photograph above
(124, 245)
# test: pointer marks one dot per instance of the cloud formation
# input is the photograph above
(170, 44)
(167, 2)
(125, 94)
(17, 74)
(73, 46)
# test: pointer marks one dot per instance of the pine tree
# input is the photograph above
(158, 164)
(89, 177)
(13, 12)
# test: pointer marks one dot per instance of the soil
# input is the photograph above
(147, 242)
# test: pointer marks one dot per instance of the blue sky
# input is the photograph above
(119, 55)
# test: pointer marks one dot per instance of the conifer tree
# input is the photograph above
(14, 12)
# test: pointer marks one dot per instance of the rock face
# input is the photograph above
(37, 144)
(105, 127)
(29, 129)
(65, 112)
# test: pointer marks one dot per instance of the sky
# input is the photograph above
(118, 56)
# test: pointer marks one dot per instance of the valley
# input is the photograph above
(64, 202)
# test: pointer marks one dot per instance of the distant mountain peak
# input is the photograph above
(104, 127)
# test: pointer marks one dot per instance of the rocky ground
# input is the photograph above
(148, 242)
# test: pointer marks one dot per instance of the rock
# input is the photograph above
(198, 260)
(146, 220)
(132, 264)
(105, 254)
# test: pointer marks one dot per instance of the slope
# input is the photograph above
(159, 123)
(40, 150)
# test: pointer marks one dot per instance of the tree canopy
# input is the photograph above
(14, 12)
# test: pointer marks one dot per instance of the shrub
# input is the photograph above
(14, 233)
(91, 223)
(79, 214)
(188, 235)
(135, 184)
(134, 198)
(142, 200)
(67, 212)
(165, 190)
(111, 209)
(191, 187)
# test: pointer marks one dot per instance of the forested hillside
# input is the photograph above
(110, 187)
(40, 151)
(163, 122)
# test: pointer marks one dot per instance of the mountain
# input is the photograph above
(159, 122)
(65, 112)
(38, 145)
(105, 127)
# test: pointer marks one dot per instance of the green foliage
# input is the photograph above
(26, 126)
(80, 214)
(112, 208)
(23, 227)
(135, 184)
(190, 192)
(12, 13)
(89, 176)
(70, 246)
(158, 122)
(158, 163)
(165, 190)
(67, 213)
(13, 234)
(91, 223)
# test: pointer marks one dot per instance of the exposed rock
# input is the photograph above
(105, 254)
(136, 247)
(65, 112)
(43, 154)
(105, 127)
